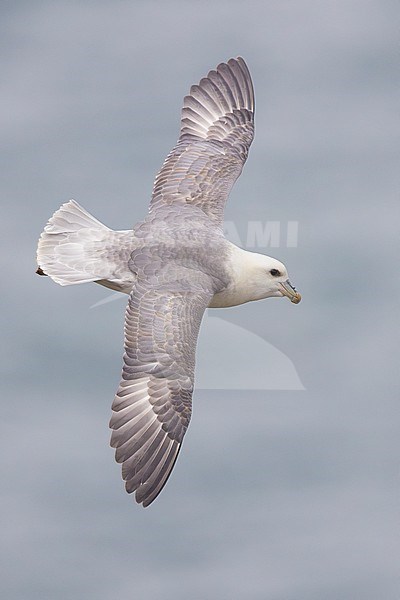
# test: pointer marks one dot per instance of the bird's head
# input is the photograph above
(269, 278)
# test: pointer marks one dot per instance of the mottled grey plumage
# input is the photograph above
(178, 271)
(174, 265)
(217, 128)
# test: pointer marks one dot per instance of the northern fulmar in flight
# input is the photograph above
(173, 264)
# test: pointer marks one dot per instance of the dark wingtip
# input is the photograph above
(40, 271)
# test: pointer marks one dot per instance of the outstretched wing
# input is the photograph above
(152, 407)
(217, 128)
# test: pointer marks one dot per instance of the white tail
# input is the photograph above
(70, 247)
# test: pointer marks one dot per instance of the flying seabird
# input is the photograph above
(173, 264)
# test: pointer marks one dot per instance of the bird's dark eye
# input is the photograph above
(275, 272)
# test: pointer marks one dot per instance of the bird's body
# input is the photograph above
(173, 264)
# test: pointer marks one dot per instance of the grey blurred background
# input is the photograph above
(285, 495)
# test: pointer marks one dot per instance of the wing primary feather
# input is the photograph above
(147, 464)
(155, 489)
(150, 466)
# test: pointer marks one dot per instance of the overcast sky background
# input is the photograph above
(285, 495)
